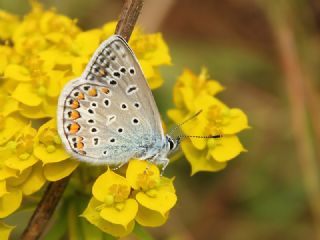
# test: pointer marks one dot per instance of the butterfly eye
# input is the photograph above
(171, 143)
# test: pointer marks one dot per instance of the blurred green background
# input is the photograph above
(267, 55)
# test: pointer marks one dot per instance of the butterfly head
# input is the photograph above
(172, 143)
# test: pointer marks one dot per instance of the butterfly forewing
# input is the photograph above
(109, 114)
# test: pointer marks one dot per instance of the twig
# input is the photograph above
(45, 209)
(128, 18)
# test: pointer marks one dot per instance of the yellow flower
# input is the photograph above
(21, 150)
(155, 194)
(5, 231)
(21, 171)
(35, 90)
(6, 56)
(29, 181)
(49, 50)
(92, 214)
(50, 150)
(14, 183)
(10, 202)
(188, 87)
(41, 39)
(74, 59)
(42, 29)
(111, 209)
(192, 94)
(8, 24)
(9, 124)
(151, 51)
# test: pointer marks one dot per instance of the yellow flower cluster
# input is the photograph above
(39, 54)
(142, 196)
(194, 93)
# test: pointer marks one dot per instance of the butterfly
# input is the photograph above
(108, 115)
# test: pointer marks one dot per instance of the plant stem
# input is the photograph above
(45, 209)
(128, 17)
(298, 87)
(43, 213)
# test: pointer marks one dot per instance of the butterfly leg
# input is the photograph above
(150, 162)
(119, 166)
(164, 162)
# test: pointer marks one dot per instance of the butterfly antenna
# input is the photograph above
(210, 136)
(185, 121)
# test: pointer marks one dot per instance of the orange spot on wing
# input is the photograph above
(74, 115)
(80, 145)
(74, 127)
(80, 96)
(105, 90)
(102, 72)
(92, 92)
(75, 104)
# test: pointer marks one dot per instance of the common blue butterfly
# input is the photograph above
(108, 115)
